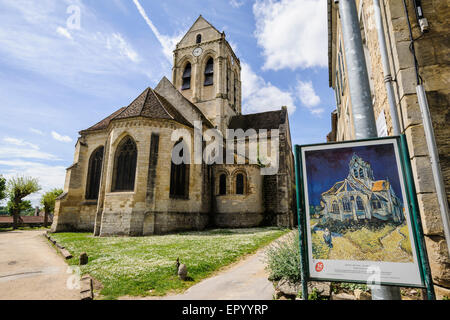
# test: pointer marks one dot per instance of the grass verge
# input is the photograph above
(145, 266)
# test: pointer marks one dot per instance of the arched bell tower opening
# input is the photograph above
(214, 77)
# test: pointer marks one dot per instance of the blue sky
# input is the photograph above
(66, 64)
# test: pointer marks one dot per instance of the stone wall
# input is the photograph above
(236, 210)
(73, 211)
(432, 50)
(129, 211)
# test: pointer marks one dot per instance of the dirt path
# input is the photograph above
(392, 247)
(30, 269)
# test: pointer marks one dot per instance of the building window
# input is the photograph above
(355, 172)
(228, 82)
(346, 204)
(209, 72)
(125, 165)
(376, 204)
(199, 38)
(240, 183)
(337, 91)
(223, 184)
(359, 204)
(186, 77)
(179, 176)
(335, 207)
(361, 173)
(94, 174)
(235, 90)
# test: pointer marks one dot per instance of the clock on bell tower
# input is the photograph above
(208, 73)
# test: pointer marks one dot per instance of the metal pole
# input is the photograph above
(301, 222)
(362, 108)
(386, 68)
(358, 80)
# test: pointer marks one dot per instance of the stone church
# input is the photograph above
(361, 197)
(123, 180)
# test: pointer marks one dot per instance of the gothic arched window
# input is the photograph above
(355, 172)
(125, 165)
(223, 184)
(228, 82)
(235, 90)
(209, 72)
(240, 183)
(199, 38)
(335, 207)
(179, 176)
(376, 203)
(346, 205)
(359, 204)
(361, 173)
(94, 174)
(186, 77)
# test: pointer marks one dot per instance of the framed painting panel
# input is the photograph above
(357, 221)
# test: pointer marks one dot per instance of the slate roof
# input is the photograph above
(164, 81)
(148, 104)
(105, 122)
(264, 120)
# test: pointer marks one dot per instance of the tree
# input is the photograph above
(25, 205)
(3, 194)
(19, 188)
(48, 201)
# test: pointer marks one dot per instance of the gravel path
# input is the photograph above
(30, 269)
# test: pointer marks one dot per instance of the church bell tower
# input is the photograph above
(208, 73)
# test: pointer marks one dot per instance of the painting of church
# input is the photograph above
(123, 180)
(360, 197)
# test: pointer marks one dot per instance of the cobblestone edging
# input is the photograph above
(66, 254)
(86, 288)
(86, 283)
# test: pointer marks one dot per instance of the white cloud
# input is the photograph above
(49, 176)
(20, 142)
(37, 131)
(259, 95)
(64, 32)
(292, 33)
(168, 43)
(236, 3)
(117, 42)
(308, 97)
(306, 94)
(61, 138)
(14, 152)
(33, 37)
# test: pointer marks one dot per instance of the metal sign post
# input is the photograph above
(301, 225)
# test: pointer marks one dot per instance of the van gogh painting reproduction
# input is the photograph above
(356, 208)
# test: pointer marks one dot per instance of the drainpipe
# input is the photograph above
(434, 159)
(362, 108)
(386, 68)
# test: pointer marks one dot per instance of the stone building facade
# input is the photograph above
(432, 51)
(124, 182)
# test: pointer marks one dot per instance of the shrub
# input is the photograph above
(283, 258)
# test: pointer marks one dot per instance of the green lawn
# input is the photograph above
(143, 266)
